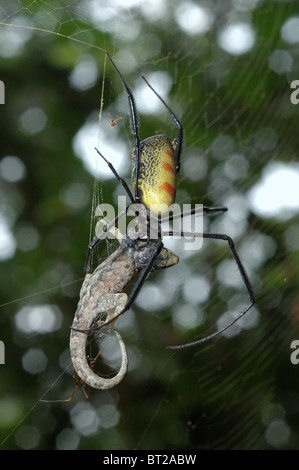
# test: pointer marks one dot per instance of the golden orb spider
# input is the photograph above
(156, 163)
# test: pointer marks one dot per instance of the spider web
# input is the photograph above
(239, 391)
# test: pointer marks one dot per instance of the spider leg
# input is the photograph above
(216, 236)
(134, 125)
(121, 180)
(198, 210)
(214, 210)
(134, 292)
(71, 396)
(177, 123)
(67, 399)
(96, 240)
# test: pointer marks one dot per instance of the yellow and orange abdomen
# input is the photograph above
(157, 175)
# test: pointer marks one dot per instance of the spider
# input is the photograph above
(78, 381)
(112, 121)
(155, 166)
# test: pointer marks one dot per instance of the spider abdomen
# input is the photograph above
(157, 173)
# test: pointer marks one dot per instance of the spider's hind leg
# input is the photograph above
(228, 239)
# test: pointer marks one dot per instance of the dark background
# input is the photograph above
(230, 393)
